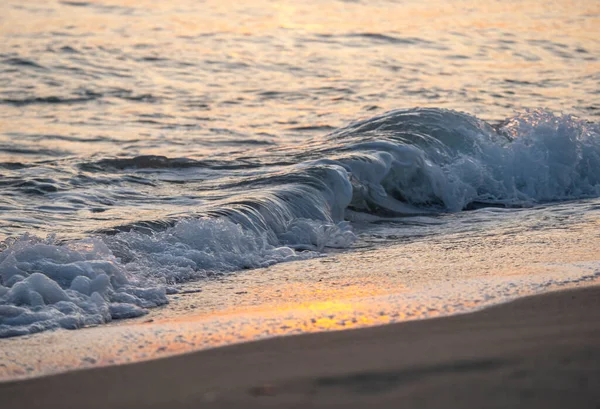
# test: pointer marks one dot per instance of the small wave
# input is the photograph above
(109, 8)
(69, 50)
(312, 128)
(45, 137)
(162, 162)
(76, 3)
(283, 95)
(22, 62)
(390, 38)
(81, 96)
(381, 38)
(46, 100)
(37, 187)
(13, 148)
(130, 96)
(14, 165)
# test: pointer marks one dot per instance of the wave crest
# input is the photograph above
(401, 163)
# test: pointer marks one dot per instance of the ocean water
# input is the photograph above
(149, 148)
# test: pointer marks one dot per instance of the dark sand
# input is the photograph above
(540, 352)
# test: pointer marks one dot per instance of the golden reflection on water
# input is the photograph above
(279, 298)
(276, 31)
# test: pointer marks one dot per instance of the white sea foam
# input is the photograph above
(47, 285)
(432, 159)
(401, 163)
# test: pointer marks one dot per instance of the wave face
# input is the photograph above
(439, 159)
(402, 163)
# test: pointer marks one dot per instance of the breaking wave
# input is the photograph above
(405, 162)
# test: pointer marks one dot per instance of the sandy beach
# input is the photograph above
(541, 351)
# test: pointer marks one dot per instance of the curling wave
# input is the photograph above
(404, 162)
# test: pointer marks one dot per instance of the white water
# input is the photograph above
(402, 163)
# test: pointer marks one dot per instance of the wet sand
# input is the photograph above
(444, 275)
(541, 351)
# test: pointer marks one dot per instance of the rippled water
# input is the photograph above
(232, 82)
(161, 142)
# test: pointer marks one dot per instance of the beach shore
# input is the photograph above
(541, 351)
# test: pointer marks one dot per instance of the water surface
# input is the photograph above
(147, 145)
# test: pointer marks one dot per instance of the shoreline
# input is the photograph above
(536, 351)
(448, 274)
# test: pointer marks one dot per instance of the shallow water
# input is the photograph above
(453, 271)
(146, 145)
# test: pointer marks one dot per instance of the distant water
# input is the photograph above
(144, 144)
